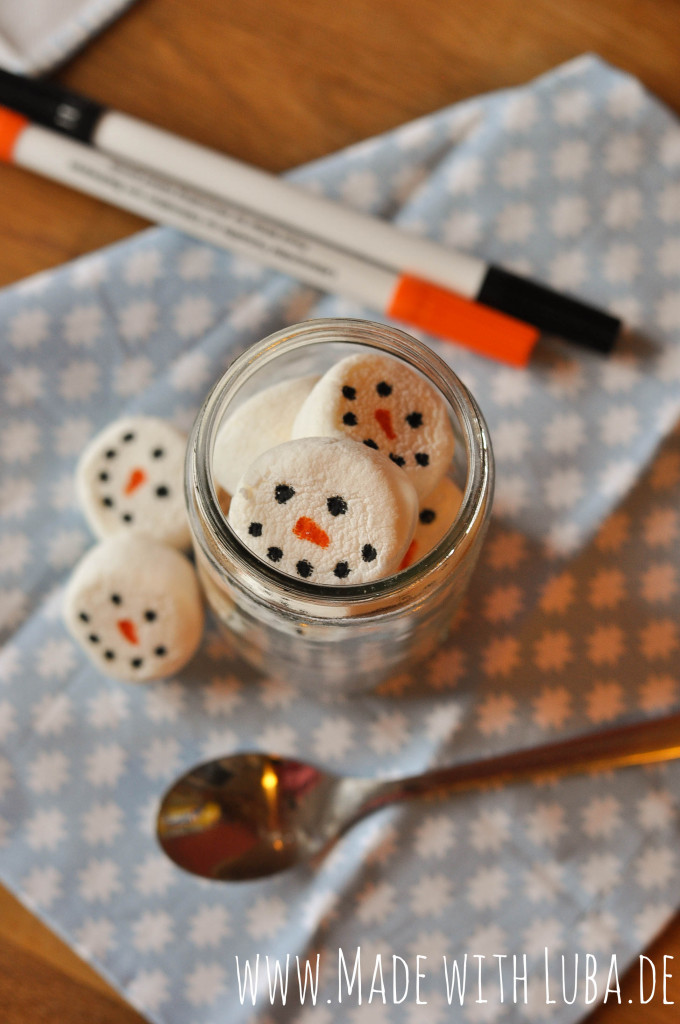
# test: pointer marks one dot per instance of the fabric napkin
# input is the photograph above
(35, 35)
(571, 623)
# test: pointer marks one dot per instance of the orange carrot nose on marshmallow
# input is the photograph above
(129, 630)
(307, 529)
(384, 418)
(136, 479)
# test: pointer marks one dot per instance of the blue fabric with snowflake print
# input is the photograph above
(571, 623)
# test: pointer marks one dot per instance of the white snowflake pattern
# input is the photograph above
(6, 777)
(28, 329)
(545, 824)
(79, 381)
(161, 757)
(99, 880)
(544, 881)
(431, 895)
(190, 372)
(512, 494)
(23, 385)
(623, 208)
(46, 829)
(143, 267)
(155, 875)
(266, 916)
(95, 938)
(668, 203)
(462, 228)
(13, 607)
(668, 257)
(361, 190)
(15, 553)
(280, 737)
(389, 733)
(106, 764)
(196, 263)
(48, 771)
(71, 436)
(598, 931)
(193, 316)
(152, 931)
(52, 713)
(488, 887)
(655, 867)
(164, 703)
(490, 829)
(209, 925)
(42, 886)
(464, 177)
(102, 823)
(569, 216)
(148, 990)
(108, 708)
(564, 488)
(542, 932)
(572, 106)
(599, 873)
(657, 810)
(65, 547)
(521, 113)
(133, 376)
(205, 984)
(435, 836)
(63, 493)
(222, 696)
(601, 817)
(668, 311)
(621, 262)
(568, 269)
(517, 168)
(512, 438)
(515, 222)
(571, 160)
(19, 441)
(82, 325)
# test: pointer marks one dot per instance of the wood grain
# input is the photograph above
(277, 83)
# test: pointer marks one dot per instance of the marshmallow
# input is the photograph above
(135, 608)
(130, 478)
(381, 401)
(263, 421)
(437, 513)
(326, 510)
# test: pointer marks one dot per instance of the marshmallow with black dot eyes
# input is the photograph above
(437, 513)
(130, 479)
(387, 405)
(326, 510)
(263, 421)
(135, 608)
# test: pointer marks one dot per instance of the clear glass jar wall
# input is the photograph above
(343, 638)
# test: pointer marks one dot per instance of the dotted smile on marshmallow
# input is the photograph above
(325, 510)
(130, 479)
(135, 608)
(388, 406)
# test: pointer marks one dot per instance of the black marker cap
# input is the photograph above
(50, 105)
(548, 310)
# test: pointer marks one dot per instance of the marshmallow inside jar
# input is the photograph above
(388, 407)
(325, 510)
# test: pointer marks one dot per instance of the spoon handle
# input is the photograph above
(640, 743)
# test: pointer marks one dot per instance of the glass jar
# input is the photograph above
(341, 638)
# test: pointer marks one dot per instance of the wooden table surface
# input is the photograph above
(276, 83)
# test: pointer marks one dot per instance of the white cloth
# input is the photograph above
(35, 35)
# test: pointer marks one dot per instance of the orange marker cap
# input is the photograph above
(11, 127)
(469, 323)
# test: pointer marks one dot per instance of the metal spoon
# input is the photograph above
(251, 815)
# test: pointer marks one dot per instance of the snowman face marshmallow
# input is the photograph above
(135, 608)
(388, 406)
(325, 510)
(130, 479)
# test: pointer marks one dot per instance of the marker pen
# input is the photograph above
(166, 201)
(313, 216)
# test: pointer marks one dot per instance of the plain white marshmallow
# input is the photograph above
(326, 510)
(130, 479)
(135, 608)
(436, 515)
(387, 405)
(263, 421)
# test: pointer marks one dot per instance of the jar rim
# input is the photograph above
(203, 504)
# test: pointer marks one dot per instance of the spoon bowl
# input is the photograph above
(251, 815)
